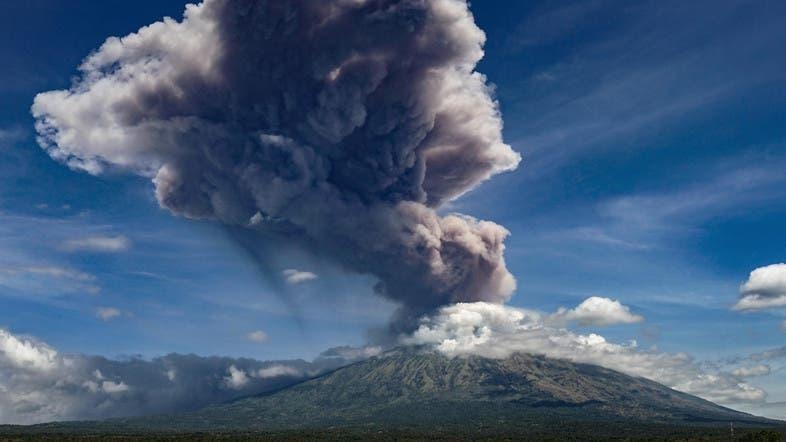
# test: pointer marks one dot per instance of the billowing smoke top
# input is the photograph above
(341, 123)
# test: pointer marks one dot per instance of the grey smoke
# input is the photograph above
(339, 125)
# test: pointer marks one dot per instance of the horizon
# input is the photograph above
(600, 182)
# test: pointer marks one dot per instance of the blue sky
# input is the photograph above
(654, 151)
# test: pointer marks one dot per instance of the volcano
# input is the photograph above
(425, 392)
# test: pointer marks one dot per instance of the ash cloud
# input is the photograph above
(341, 125)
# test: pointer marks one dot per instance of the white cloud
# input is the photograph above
(38, 384)
(26, 353)
(497, 331)
(114, 387)
(765, 288)
(91, 386)
(237, 378)
(294, 276)
(105, 244)
(102, 385)
(600, 236)
(749, 372)
(598, 311)
(277, 370)
(107, 313)
(258, 336)
(783, 326)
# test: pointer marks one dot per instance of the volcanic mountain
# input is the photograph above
(424, 391)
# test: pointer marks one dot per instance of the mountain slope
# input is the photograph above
(414, 389)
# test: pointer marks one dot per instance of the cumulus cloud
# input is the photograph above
(258, 336)
(765, 288)
(26, 354)
(39, 384)
(749, 372)
(497, 331)
(293, 276)
(105, 244)
(107, 313)
(341, 125)
(597, 311)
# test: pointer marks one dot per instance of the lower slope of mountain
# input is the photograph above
(422, 390)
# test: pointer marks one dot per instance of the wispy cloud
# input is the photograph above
(651, 70)
(596, 235)
(30, 279)
(31, 260)
(769, 355)
(107, 313)
(548, 25)
(102, 244)
(633, 237)
(648, 222)
(47, 271)
(749, 372)
(294, 276)
(11, 135)
(731, 186)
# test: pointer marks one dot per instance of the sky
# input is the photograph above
(653, 154)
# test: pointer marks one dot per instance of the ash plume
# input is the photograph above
(341, 125)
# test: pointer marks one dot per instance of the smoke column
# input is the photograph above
(340, 125)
